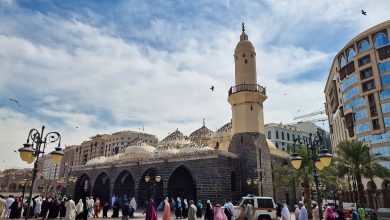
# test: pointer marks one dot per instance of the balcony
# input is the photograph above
(384, 52)
(247, 88)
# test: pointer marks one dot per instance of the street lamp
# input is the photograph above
(154, 179)
(320, 160)
(31, 152)
(256, 177)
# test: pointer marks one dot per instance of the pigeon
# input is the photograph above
(16, 101)
(284, 93)
(77, 126)
(212, 88)
(364, 12)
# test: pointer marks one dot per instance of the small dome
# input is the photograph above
(166, 151)
(140, 149)
(175, 139)
(226, 128)
(113, 158)
(193, 148)
(202, 136)
(96, 160)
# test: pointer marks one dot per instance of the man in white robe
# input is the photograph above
(70, 209)
(302, 211)
(285, 212)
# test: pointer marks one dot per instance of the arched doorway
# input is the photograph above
(386, 193)
(124, 185)
(83, 187)
(181, 183)
(371, 189)
(101, 188)
(147, 189)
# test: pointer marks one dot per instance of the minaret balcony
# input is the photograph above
(247, 88)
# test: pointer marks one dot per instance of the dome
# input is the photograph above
(96, 160)
(202, 136)
(226, 128)
(175, 139)
(244, 43)
(140, 149)
(166, 151)
(193, 148)
(113, 158)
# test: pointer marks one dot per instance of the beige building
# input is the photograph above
(358, 93)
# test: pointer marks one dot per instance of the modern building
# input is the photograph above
(357, 96)
(51, 171)
(205, 164)
(283, 135)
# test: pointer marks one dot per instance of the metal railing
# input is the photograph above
(247, 87)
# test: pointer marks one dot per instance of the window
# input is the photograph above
(351, 54)
(364, 60)
(342, 61)
(349, 81)
(383, 151)
(366, 73)
(369, 85)
(387, 121)
(288, 136)
(385, 80)
(375, 124)
(385, 107)
(277, 135)
(282, 135)
(361, 114)
(363, 46)
(373, 112)
(380, 40)
(384, 67)
(351, 93)
(293, 137)
(269, 135)
(384, 94)
(265, 203)
(355, 104)
(277, 145)
(363, 127)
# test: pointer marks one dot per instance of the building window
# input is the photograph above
(349, 81)
(288, 136)
(382, 151)
(364, 60)
(269, 135)
(342, 61)
(385, 80)
(293, 137)
(366, 73)
(277, 145)
(364, 46)
(355, 104)
(380, 40)
(375, 124)
(384, 94)
(363, 127)
(351, 93)
(369, 85)
(277, 135)
(373, 112)
(282, 135)
(387, 121)
(361, 114)
(384, 67)
(385, 107)
(351, 54)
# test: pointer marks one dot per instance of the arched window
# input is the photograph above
(351, 54)
(363, 46)
(217, 145)
(277, 145)
(269, 134)
(277, 135)
(282, 135)
(342, 61)
(380, 40)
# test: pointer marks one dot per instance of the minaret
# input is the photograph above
(246, 97)
(248, 139)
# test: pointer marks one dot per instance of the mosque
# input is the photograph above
(233, 161)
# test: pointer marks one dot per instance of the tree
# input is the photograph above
(353, 159)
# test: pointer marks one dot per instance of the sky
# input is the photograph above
(91, 67)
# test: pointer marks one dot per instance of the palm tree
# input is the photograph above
(353, 158)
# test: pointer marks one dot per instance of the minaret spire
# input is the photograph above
(243, 27)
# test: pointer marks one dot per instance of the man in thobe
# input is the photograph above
(302, 211)
(91, 202)
(231, 207)
(70, 209)
(285, 212)
(192, 211)
(9, 202)
(113, 199)
(2, 205)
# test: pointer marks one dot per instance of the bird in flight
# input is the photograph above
(364, 12)
(284, 93)
(16, 101)
(212, 88)
(77, 126)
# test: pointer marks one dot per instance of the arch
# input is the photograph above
(181, 183)
(350, 54)
(371, 188)
(147, 189)
(83, 187)
(101, 187)
(385, 186)
(380, 40)
(217, 145)
(12, 187)
(342, 61)
(363, 46)
(124, 185)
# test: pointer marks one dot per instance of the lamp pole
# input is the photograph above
(255, 178)
(320, 160)
(30, 152)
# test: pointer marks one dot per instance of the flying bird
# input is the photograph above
(15, 151)
(364, 12)
(212, 88)
(298, 110)
(16, 101)
(284, 93)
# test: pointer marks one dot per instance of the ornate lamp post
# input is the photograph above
(31, 152)
(256, 177)
(23, 183)
(154, 179)
(320, 157)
